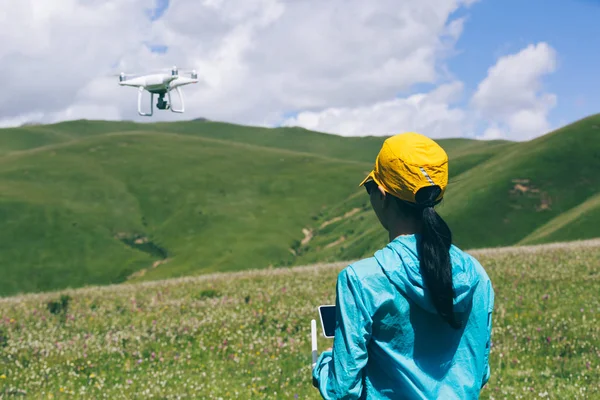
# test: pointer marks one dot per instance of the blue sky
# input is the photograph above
(495, 28)
(357, 100)
(153, 14)
(572, 27)
(159, 9)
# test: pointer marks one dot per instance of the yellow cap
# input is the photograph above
(406, 163)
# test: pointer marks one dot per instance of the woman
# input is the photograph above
(414, 320)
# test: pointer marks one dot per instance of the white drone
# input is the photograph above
(160, 84)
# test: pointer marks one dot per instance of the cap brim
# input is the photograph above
(369, 177)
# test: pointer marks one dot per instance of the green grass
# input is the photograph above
(203, 197)
(247, 334)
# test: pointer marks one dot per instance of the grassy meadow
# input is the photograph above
(246, 335)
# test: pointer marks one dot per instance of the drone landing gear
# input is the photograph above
(161, 104)
(140, 91)
(181, 110)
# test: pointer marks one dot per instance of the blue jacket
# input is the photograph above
(389, 341)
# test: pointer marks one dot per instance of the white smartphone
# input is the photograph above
(327, 315)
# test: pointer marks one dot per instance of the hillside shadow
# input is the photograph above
(142, 243)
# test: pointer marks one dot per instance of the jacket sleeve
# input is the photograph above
(338, 374)
(490, 310)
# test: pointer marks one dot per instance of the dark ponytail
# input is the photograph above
(434, 249)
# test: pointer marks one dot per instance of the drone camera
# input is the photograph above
(121, 77)
(174, 71)
(194, 74)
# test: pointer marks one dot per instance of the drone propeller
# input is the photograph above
(124, 74)
(159, 70)
(179, 70)
(172, 68)
(175, 71)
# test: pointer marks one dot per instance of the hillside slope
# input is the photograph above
(512, 191)
(582, 221)
(97, 202)
(73, 212)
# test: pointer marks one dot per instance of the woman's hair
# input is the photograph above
(434, 249)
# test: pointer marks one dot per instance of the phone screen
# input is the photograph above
(327, 314)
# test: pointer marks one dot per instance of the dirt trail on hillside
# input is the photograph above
(308, 235)
(336, 219)
(143, 271)
(339, 241)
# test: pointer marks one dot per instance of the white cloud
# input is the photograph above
(48, 50)
(510, 96)
(20, 119)
(509, 101)
(340, 70)
(257, 59)
(493, 132)
(429, 113)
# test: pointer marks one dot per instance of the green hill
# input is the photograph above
(498, 195)
(73, 212)
(96, 202)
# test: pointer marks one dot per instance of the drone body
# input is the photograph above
(161, 85)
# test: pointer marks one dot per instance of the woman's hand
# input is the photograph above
(329, 349)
